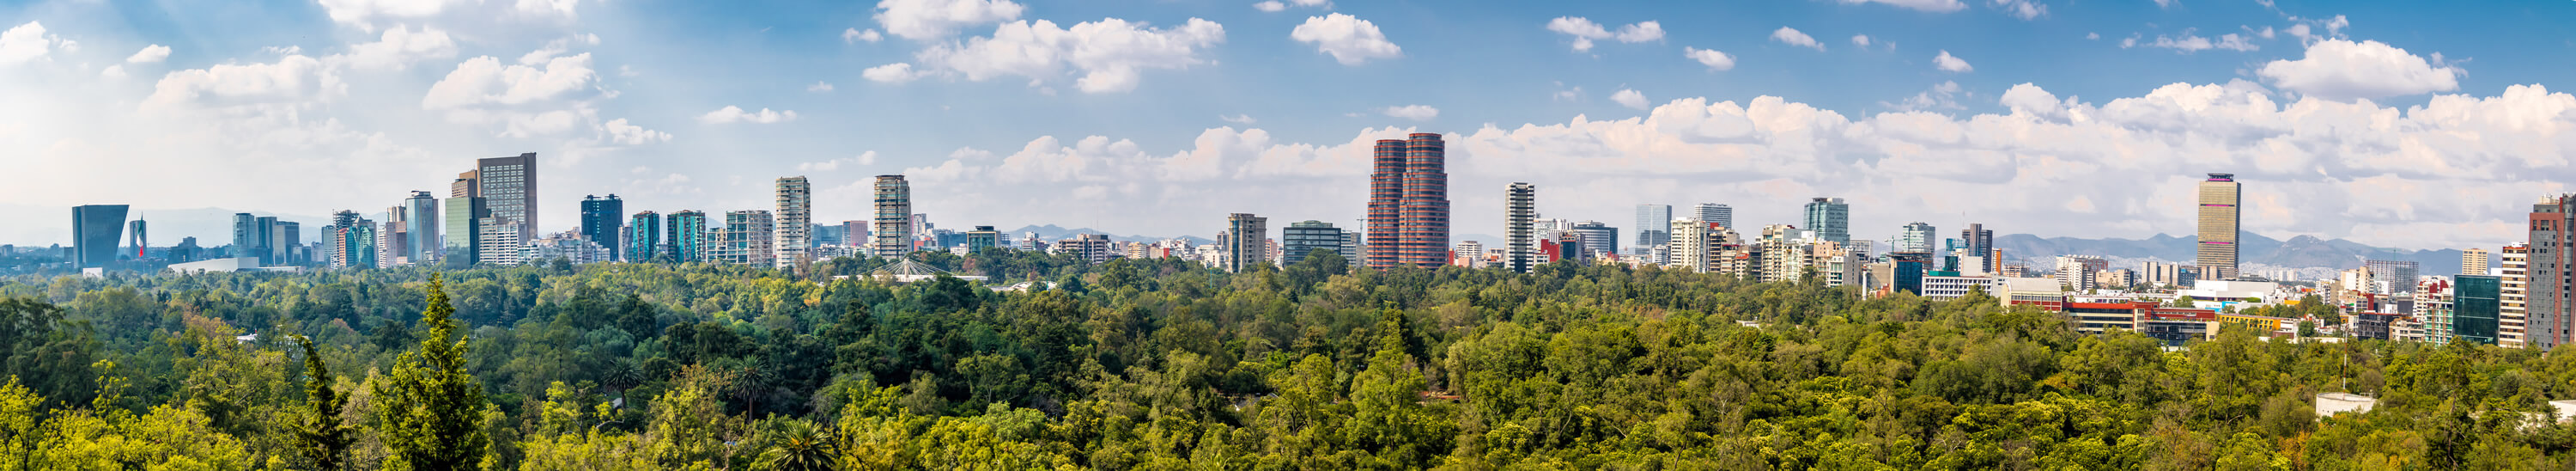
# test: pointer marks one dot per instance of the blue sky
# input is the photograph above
(2391, 123)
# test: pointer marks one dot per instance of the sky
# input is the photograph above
(2401, 124)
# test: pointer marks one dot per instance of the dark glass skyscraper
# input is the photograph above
(1302, 238)
(96, 231)
(602, 221)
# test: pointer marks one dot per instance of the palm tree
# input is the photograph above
(795, 445)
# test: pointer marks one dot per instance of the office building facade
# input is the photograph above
(2477, 308)
(1830, 218)
(1654, 226)
(1301, 239)
(893, 232)
(794, 235)
(1721, 214)
(96, 231)
(2219, 224)
(603, 221)
(2551, 273)
(688, 236)
(2474, 261)
(508, 186)
(1598, 239)
(2399, 275)
(1520, 213)
(1246, 241)
(644, 237)
(1408, 212)
(744, 239)
(1915, 237)
(983, 237)
(463, 216)
(421, 225)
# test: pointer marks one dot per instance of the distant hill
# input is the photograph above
(2298, 252)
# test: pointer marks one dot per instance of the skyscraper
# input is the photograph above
(423, 225)
(1980, 242)
(602, 221)
(1247, 241)
(1302, 238)
(1830, 218)
(96, 231)
(142, 244)
(688, 237)
(644, 237)
(1521, 211)
(463, 216)
(795, 222)
(893, 231)
(745, 239)
(2218, 227)
(2400, 275)
(285, 242)
(2477, 308)
(1712, 212)
(1598, 238)
(246, 240)
(2473, 262)
(2513, 316)
(1409, 203)
(508, 186)
(1654, 226)
(2552, 300)
(1917, 238)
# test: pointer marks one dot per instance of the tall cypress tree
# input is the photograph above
(320, 435)
(433, 409)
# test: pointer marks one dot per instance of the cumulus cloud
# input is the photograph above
(1951, 63)
(819, 87)
(854, 35)
(1716, 61)
(1861, 40)
(290, 79)
(1791, 36)
(621, 132)
(2023, 9)
(149, 54)
(1412, 112)
(1629, 98)
(400, 47)
(2345, 70)
(922, 20)
(863, 159)
(484, 80)
(1274, 6)
(1351, 41)
(735, 114)
(26, 42)
(1106, 56)
(2189, 43)
(1935, 6)
(1238, 119)
(1585, 31)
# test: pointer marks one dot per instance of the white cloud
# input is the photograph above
(923, 20)
(483, 80)
(1791, 36)
(399, 47)
(861, 160)
(2023, 9)
(1942, 96)
(116, 72)
(628, 134)
(364, 13)
(1108, 55)
(1274, 6)
(1585, 31)
(1935, 6)
(1629, 98)
(26, 42)
(2306, 28)
(1271, 6)
(1716, 61)
(2189, 43)
(2091, 36)
(1861, 40)
(2344, 70)
(1350, 40)
(854, 35)
(1951, 63)
(735, 114)
(1238, 119)
(891, 73)
(1412, 112)
(149, 54)
(819, 87)
(290, 79)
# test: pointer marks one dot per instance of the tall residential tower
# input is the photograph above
(795, 231)
(1521, 213)
(1408, 211)
(2219, 220)
(893, 231)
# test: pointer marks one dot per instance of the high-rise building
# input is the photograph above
(2473, 261)
(795, 222)
(1354, 246)
(421, 226)
(286, 242)
(246, 240)
(855, 234)
(350, 240)
(1980, 241)
(2513, 314)
(893, 231)
(1303, 238)
(463, 216)
(499, 242)
(1521, 212)
(644, 237)
(1598, 239)
(1408, 212)
(2399, 275)
(96, 231)
(2080, 272)
(688, 237)
(1712, 212)
(1693, 247)
(1917, 237)
(2552, 264)
(1246, 241)
(141, 242)
(508, 186)
(603, 220)
(2477, 308)
(465, 185)
(1654, 226)
(393, 237)
(983, 237)
(2219, 219)
(745, 238)
(1830, 218)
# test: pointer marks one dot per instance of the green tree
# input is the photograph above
(319, 433)
(431, 407)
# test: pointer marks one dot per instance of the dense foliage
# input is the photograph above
(1165, 365)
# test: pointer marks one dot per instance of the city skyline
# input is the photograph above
(1759, 106)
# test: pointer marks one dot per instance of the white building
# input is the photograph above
(1945, 288)
(2217, 294)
